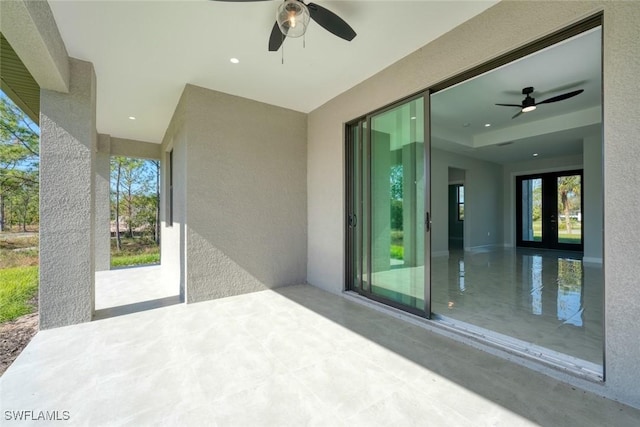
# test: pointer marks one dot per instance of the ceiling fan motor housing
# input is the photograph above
(528, 102)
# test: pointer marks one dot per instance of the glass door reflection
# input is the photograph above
(397, 204)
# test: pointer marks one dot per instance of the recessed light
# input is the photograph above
(466, 125)
(234, 60)
(487, 125)
(413, 118)
(131, 118)
(535, 154)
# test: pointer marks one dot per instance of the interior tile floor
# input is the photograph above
(291, 357)
(549, 299)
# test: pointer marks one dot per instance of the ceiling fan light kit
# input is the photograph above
(293, 18)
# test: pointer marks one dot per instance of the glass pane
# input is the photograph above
(356, 183)
(460, 203)
(364, 213)
(397, 192)
(532, 210)
(569, 209)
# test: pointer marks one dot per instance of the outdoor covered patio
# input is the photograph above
(292, 356)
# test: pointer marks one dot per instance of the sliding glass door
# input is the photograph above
(387, 219)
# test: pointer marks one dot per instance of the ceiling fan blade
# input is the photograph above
(561, 97)
(510, 105)
(276, 38)
(239, 1)
(562, 88)
(516, 115)
(331, 22)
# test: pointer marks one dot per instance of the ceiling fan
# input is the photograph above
(292, 18)
(530, 104)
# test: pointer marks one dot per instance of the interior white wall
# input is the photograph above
(593, 199)
(483, 201)
(503, 28)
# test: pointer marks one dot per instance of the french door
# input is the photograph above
(387, 203)
(549, 210)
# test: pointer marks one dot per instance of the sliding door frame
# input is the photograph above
(352, 236)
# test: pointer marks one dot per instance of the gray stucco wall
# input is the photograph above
(67, 182)
(245, 189)
(136, 149)
(103, 203)
(31, 30)
(503, 28)
(173, 236)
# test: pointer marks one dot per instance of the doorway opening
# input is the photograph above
(135, 281)
(135, 212)
(456, 209)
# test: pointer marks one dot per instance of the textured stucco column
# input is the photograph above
(103, 208)
(67, 167)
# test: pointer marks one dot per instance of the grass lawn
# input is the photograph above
(19, 268)
(18, 292)
(134, 251)
(563, 237)
(18, 275)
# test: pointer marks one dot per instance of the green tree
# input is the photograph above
(536, 212)
(396, 182)
(19, 167)
(135, 194)
(126, 177)
(569, 189)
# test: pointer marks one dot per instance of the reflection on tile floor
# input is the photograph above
(547, 298)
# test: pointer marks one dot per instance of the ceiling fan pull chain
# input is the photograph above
(282, 51)
(304, 41)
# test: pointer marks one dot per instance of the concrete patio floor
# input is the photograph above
(292, 357)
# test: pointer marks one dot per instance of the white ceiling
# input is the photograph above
(144, 52)
(459, 113)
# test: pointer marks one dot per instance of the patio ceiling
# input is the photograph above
(144, 52)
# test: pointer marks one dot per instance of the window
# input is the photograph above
(460, 198)
(170, 189)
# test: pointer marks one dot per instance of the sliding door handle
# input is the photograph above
(352, 221)
(427, 222)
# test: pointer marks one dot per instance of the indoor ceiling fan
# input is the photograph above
(292, 19)
(530, 104)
